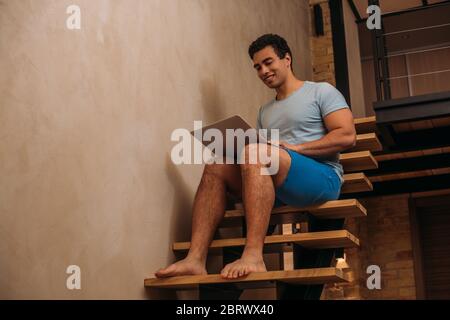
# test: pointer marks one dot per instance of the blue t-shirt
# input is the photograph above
(299, 117)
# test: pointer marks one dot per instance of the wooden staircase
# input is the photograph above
(313, 240)
(312, 249)
(264, 279)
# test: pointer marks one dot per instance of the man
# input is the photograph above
(315, 124)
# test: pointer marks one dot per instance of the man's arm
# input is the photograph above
(341, 136)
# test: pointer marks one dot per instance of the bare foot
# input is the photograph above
(242, 267)
(182, 268)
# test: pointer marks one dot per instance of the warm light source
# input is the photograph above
(341, 263)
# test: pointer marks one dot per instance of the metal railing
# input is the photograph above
(383, 77)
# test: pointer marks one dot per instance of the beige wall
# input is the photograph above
(85, 124)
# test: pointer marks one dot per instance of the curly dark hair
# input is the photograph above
(278, 44)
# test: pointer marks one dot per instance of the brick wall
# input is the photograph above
(322, 47)
(386, 237)
(385, 241)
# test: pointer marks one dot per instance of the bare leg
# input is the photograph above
(208, 210)
(259, 197)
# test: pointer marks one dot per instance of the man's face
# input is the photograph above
(271, 69)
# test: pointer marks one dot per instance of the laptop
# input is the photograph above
(235, 122)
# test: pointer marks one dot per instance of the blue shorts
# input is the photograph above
(309, 182)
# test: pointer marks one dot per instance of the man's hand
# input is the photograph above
(292, 147)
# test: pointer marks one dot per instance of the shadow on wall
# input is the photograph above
(211, 101)
(179, 213)
(180, 216)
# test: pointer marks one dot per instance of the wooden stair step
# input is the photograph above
(358, 161)
(356, 182)
(335, 209)
(265, 279)
(412, 154)
(367, 141)
(410, 174)
(414, 125)
(365, 125)
(312, 240)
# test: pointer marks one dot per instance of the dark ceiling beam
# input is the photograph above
(354, 10)
(339, 48)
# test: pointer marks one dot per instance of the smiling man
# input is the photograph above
(314, 123)
(314, 120)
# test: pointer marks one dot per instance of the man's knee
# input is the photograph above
(255, 153)
(229, 174)
(264, 156)
(218, 170)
